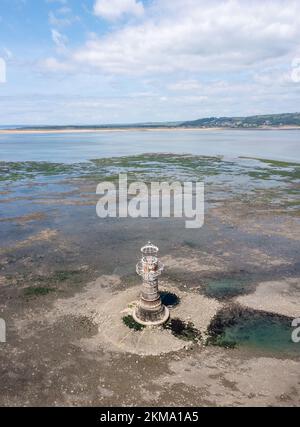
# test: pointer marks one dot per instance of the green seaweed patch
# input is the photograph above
(291, 203)
(14, 171)
(155, 164)
(63, 275)
(145, 166)
(277, 163)
(276, 170)
(59, 277)
(37, 291)
(276, 174)
(183, 330)
(132, 324)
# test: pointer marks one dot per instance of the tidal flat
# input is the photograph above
(60, 263)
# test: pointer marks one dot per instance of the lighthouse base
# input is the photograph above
(148, 317)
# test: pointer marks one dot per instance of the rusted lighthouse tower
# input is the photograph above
(150, 310)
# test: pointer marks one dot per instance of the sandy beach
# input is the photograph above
(135, 129)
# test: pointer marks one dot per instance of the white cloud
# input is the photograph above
(194, 36)
(7, 53)
(2, 71)
(52, 64)
(64, 10)
(181, 60)
(59, 39)
(273, 77)
(63, 17)
(115, 9)
(185, 85)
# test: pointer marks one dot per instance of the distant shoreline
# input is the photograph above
(135, 129)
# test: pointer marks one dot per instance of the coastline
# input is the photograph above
(135, 129)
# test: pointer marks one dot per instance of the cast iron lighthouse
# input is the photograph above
(150, 310)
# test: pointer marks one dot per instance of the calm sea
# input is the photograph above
(78, 147)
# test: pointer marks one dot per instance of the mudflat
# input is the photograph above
(236, 279)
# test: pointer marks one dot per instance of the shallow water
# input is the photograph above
(78, 147)
(261, 332)
(227, 287)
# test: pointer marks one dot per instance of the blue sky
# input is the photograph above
(121, 61)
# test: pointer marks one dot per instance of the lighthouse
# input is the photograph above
(149, 309)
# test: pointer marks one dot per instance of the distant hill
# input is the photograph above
(251, 122)
(287, 119)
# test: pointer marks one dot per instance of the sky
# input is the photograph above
(129, 61)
